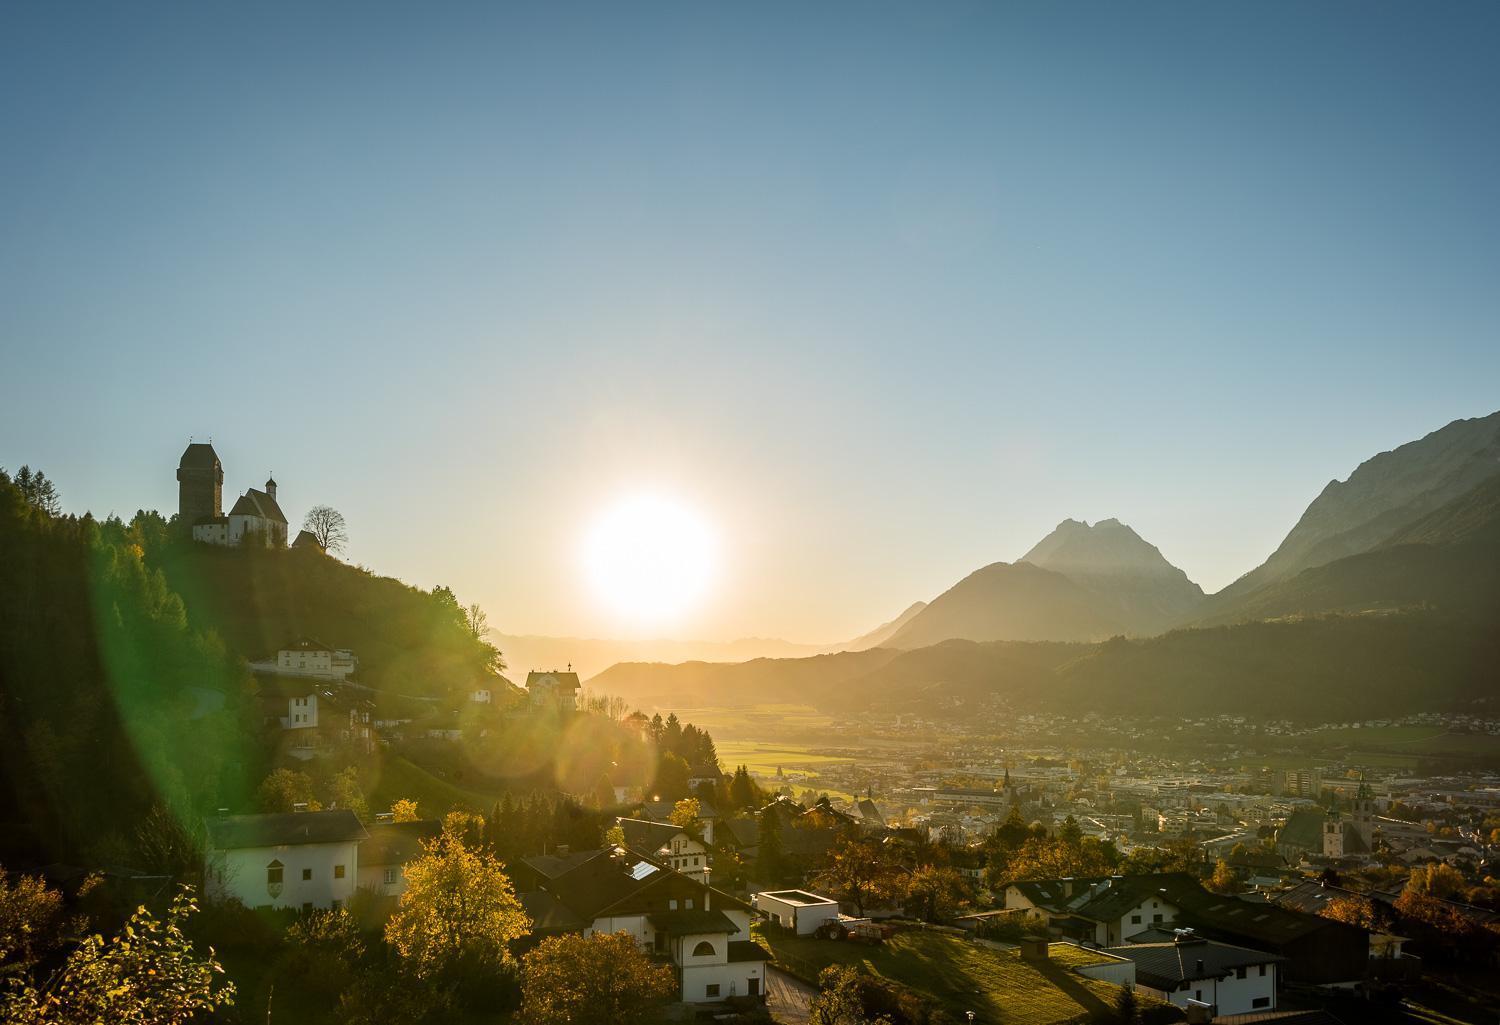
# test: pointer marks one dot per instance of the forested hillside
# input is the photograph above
(103, 687)
(408, 641)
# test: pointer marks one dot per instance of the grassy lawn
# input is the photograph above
(435, 797)
(964, 976)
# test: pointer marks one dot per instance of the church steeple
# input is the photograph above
(271, 486)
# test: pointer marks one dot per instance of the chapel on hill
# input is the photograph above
(200, 503)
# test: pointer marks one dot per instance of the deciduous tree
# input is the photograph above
(602, 979)
(459, 911)
(326, 525)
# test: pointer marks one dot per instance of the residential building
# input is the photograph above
(1235, 980)
(553, 691)
(798, 910)
(702, 932)
(667, 843)
(290, 860)
(384, 856)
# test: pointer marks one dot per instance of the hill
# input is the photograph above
(408, 641)
(1079, 583)
(759, 681)
(1383, 495)
(885, 631)
(1448, 559)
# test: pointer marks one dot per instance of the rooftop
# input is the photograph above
(233, 832)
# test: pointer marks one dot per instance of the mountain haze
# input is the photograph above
(1079, 583)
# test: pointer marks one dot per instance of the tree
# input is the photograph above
(284, 789)
(148, 974)
(685, 815)
(32, 922)
(476, 620)
(404, 810)
(459, 911)
(1437, 880)
(344, 791)
(326, 525)
(858, 870)
(598, 980)
(840, 999)
(39, 492)
(1224, 879)
(935, 891)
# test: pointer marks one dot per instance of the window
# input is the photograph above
(338, 871)
(671, 905)
(1261, 1002)
(1262, 971)
(1239, 973)
(306, 874)
(688, 903)
(703, 949)
(1135, 919)
(712, 989)
(1197, 994)
(390, 876)
(1156, 919)
(273, 874)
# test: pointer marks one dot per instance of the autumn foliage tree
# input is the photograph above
(859, 871)
(147, 974)
(603, 979)
(459, 913)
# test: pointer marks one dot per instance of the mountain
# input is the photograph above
(591, 655)
(1447, 560)
(1383, 495)
(1114, 562)
(1308, 668)
(1079, 583)
(885, 631)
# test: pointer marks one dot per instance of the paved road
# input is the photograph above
(787, 997)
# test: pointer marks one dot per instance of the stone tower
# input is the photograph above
(1333, 835)
(1363, 818)
(200, 484)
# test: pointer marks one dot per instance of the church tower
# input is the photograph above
(1363, 818)
(1333, 834)
(200, 484)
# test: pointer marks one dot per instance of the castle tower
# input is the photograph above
(200, 484)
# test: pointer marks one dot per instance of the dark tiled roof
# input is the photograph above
(550, 866)
(648, 837)
(746, 831)
(871, 813)
(747, 950)
(548, 915)
(567, 681)
(1167, 965)
(306, 644)
(396, 843)
(1303, 830)
(258, 503)
(306, 538)
(661, 811)
(199, 454)
(692, 922)
(287, 828)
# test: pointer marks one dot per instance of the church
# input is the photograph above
(200, 503)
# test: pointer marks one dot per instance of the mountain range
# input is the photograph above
(1388, 587)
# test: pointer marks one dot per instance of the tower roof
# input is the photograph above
(199, 454)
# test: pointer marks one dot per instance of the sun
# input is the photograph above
(649, 558)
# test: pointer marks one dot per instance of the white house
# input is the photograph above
(1105, 910)
(553, 690)
(290, 860)
(667, 843)
(307, 657)
(301, 712)
(797, 910)
(703, 932)
(1235, 980)
(383, 857)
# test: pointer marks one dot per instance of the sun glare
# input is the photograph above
(649, 558)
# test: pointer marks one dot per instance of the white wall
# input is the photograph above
(1232, 995)
(804, 918)
(372, 878)
(241, 874)
(732, 980)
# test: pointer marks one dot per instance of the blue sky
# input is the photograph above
(884, 291)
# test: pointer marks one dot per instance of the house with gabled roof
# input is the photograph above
(288, 860)
(668, 843)
(702, 932)
(1235, 980)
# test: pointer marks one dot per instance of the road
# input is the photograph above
(787, 997)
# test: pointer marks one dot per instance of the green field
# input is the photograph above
(961, 975)
(435, 797)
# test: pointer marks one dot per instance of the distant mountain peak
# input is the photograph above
(1108, 548)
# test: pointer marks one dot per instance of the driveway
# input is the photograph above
(787, 997)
